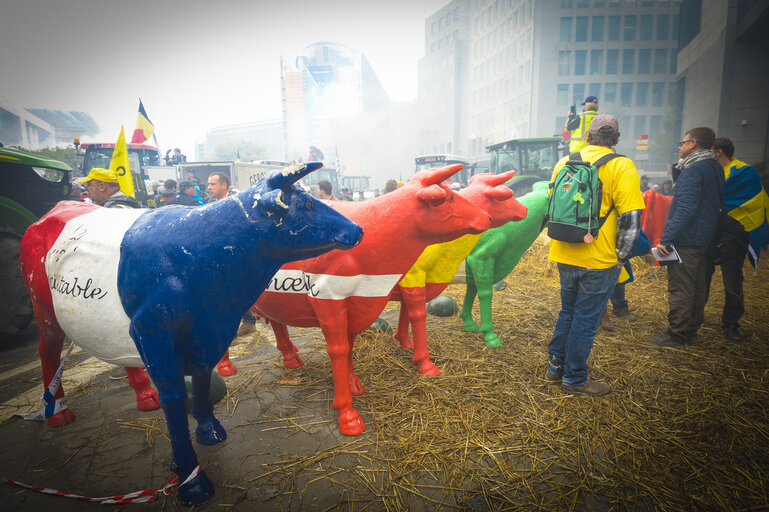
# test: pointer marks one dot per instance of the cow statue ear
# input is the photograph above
(273, 202)
(433, 195)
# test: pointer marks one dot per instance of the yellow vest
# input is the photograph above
(579, 136)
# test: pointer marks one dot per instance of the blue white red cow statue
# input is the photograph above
(343, 293)
(178, 279)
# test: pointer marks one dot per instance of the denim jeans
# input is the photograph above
(618, 300)
(584, 295)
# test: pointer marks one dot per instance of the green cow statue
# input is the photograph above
(495, 255)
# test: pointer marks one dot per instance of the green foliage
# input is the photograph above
(67, 155)
(247, 151)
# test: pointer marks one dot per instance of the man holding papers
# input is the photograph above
(690, 227)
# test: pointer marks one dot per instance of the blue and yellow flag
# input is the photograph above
(746, 201)
(119, 164)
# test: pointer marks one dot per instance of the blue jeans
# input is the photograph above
(584, 295)
(618, 300)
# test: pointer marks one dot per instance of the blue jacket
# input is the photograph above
(693, 214)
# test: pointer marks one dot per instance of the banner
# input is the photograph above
(119, 164)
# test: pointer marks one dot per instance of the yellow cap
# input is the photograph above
(97, 173)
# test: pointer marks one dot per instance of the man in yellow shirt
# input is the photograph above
(589, 271)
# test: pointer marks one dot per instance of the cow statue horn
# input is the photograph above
(436, 176)
(287, 176)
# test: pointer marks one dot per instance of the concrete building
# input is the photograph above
(265, 134)
(39, 128)
(333, 100)
(444, 81)
(723, 70)
(526, 62)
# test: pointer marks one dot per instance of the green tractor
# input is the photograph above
(32, 185)
(532, 159)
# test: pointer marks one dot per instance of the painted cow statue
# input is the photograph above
(438, 264)
(343, 293)
(495, 255)
(178, 280)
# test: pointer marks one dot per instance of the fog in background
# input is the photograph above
(196, 64)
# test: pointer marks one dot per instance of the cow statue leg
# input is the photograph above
(225, 367)
(209, 431)
(168, 376)
(469, 324)
(415, 299)
(146, 397)
(49, 348)
(402, 334)
(484, 280)
(291, 357)
(333, 323)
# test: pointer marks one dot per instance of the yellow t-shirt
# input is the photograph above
(622, 188)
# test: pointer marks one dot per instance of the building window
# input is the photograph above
(596, 62)
(562, 96)
(564, 56)
(660, 60)
(599, 3)
(675, 27)
(614, 28)
(626, 93)
(565, 29)
(612, 62)
(640, 126)
(581, 30)
(578, 95)
(628, 30)
(655, 124)
(567, 4)
(582, 3)
(673, 60)
(645, 30)
(628, 62)
(610, 93)
(580, 62)
(689, 23)
(597, 30)
(663, 28)
(642, 94)
(658, 94)
(644, 61)
(594, 90)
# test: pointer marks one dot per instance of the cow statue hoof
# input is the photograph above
(61, 418)
(426, 367)
(351, 424)
(492, 340)
(469, 325)
(227, 369)
(196, 491)
(210, 433)
(148, 403)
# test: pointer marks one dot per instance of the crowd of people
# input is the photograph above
(717, 202)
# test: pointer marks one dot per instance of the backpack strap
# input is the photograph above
(598, 163)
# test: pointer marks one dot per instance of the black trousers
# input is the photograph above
(731, 272)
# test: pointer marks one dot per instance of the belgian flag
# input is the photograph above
(144, 126)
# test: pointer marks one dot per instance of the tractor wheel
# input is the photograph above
(15, 306)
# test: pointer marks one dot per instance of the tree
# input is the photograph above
(244, 150)
(67, 155)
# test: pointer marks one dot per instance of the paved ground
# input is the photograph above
(283, 450)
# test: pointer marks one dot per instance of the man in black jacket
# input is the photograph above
(186, 191)
(690, 228)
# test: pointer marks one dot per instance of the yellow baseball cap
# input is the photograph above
(97, 173)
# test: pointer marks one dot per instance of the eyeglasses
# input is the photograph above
(685, 141)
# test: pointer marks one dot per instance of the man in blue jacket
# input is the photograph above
(690, 227)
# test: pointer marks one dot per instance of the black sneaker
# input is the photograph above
(732, 333)
(692, 339)
(665, 339)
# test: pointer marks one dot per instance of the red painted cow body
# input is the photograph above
(343, 293)
(432, 272)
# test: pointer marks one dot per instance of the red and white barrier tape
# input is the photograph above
(120, 499)
(51, 406)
